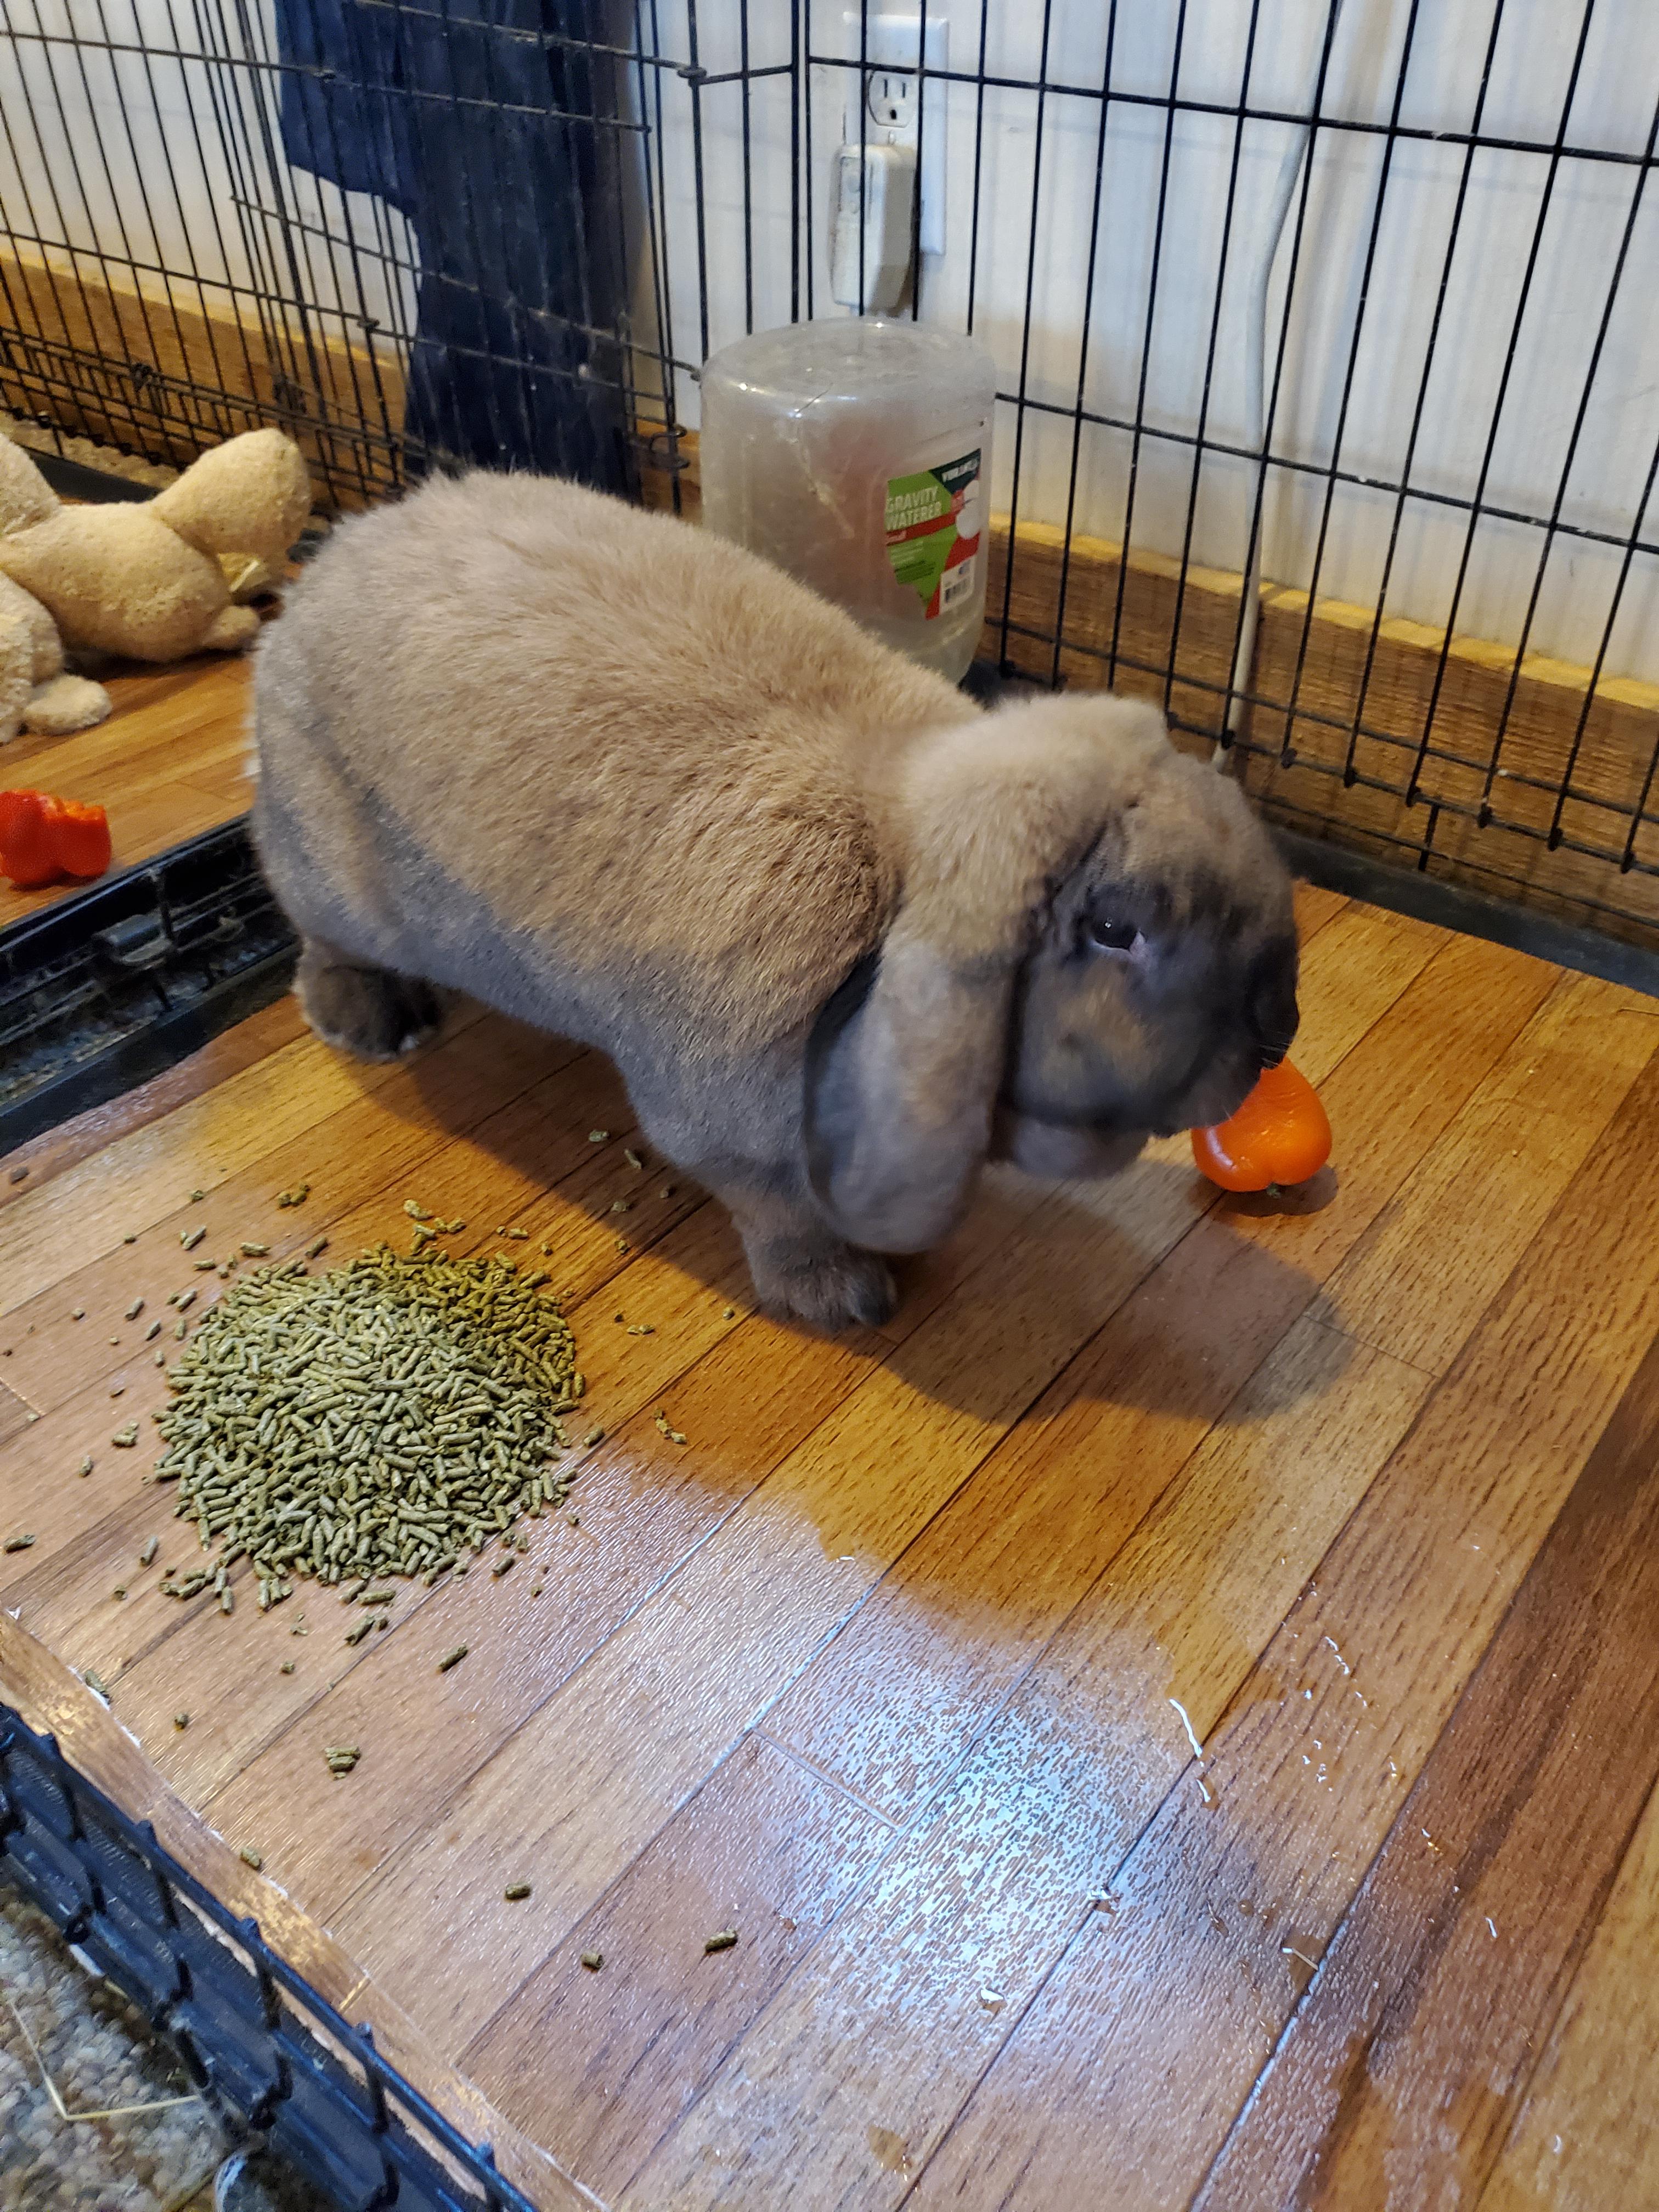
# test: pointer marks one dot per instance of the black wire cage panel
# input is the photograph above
(258, 2043)
(1327, 330)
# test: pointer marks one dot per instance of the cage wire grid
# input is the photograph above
(407, 313)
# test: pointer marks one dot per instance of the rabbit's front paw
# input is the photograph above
(368, 1011)
(830, 1287)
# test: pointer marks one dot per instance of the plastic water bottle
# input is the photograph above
(856, 454)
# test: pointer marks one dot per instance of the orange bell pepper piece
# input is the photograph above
(42, 838)
(83, 838)
(1279, 1136)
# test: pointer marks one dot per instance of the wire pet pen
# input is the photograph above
(1326, 329)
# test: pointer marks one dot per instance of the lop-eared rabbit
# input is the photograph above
(846, 936)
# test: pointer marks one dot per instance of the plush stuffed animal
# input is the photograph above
(153, 580)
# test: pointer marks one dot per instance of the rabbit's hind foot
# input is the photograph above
(365, 1011)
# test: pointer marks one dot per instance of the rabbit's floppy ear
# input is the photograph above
(907, 1059)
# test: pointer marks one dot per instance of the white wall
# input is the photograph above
(119, 153)
(1614, 106)
(123, 171)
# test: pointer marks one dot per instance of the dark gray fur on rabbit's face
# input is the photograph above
(1157, 980)
(1152, 1002)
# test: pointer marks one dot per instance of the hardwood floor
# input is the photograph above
(166, 765)
(897, 1666)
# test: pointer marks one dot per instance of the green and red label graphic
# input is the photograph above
(933, 523)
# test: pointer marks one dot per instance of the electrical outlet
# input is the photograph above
(884, 100)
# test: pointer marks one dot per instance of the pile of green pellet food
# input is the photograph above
(388, 1417)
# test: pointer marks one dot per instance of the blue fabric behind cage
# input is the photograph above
(481, 127)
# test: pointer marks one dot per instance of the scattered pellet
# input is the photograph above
(341, 1758)
(673, 1436)
(80, 1314)
(593, 1437)
(185, 1299)
(669, 1189)
(287, 1667)
(598, 1136)
(197, 1196)
(152, 1545)
(226, 1601)
(249, 1856)
(642, 1328)
(357, 1635)
(452, 1658)
(124, 1439)
(190, 1238)
(622, 1206)
(516, 1890)
(416, 1210)
(181, 1720)
(503, 1566)
(120, 1590)
(622, 1244)
(96, 1682)
(152, 1332)
(207, 1266)
(18, 1543)
(632, 1157)
(134, 1310)
(729, 1313)
(85, 1466)
(319, 1244)
(17, 1175)
(119, 1391)
(297, 1196)
(255, 1251)
(130, 1239)
(593, 1961)
(724, 1939)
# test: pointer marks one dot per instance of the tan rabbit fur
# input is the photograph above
(845, 936)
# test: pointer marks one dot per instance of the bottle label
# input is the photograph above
(934, 524)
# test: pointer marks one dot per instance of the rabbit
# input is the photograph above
(846, 935)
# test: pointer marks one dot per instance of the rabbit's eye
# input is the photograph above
(1101, 935)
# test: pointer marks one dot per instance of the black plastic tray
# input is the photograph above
(109, 986)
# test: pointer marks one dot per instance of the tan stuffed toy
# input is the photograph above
(150, 580)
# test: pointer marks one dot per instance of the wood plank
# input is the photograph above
(1448, 1968)
(419, 1106)
(166, 765)
(137, 1182)
(765, 1848)
(63, 1584)
(984, 1586)
(916, 1985)
(1393, 1097)
(1418, 1279)
(694, 1663)
(54, 1702)
(1142, 2048)
(1584, 2136)
(967, 1608)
